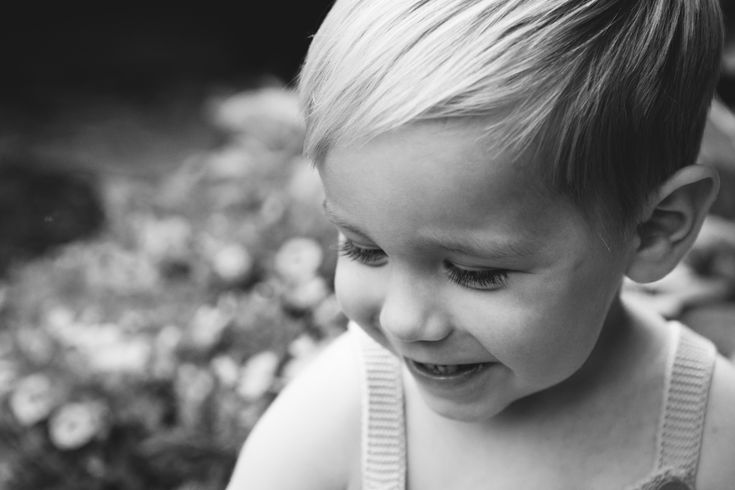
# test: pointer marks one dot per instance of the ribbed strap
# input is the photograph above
(383, 428)
(682, 423)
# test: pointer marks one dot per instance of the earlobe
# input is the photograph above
(671, 222)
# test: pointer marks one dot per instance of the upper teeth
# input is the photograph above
(448, 369)
(443, 368)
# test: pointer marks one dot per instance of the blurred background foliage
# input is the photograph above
(164, 264)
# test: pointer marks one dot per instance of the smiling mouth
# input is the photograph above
(448, 370)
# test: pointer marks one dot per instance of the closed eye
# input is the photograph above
(480, 279)
(373, 257)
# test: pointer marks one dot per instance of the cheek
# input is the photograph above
(572, 319)
(545, 336)
(357, 290)
(545, 350)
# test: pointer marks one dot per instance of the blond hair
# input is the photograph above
(610, 95)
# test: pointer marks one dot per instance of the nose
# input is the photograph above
(411, 310)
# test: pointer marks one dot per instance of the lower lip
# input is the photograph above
(450, 382)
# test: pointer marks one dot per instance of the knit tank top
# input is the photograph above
(679, 434)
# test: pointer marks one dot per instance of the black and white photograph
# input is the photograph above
(368, 245)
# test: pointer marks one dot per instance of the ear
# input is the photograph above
(671, 222)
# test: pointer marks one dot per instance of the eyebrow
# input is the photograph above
(477, 247)
(469, 246)
(340, 222)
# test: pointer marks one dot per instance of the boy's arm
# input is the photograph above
(310, 436)
(717, 460)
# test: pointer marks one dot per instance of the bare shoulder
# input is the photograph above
(309, 437)
(716, 468)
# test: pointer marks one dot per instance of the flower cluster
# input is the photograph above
(141, 358)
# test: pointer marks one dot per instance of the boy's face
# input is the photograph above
(458, 261)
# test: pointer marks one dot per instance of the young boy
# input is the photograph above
(495, 168)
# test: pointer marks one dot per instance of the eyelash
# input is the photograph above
(485, 279)
(371, 257)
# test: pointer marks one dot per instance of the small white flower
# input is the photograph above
(252, 110)
(165, 345)
(298, 259)
(273, 208)
(302, 346)
(59, 317)
(207, 326)
(127, 355)
(303, 350)
(35, 344)
(96, 466)
(258, 375)
(105, 347)
(33, 399)
(230, 163)
(163, 238)
(308, 294)
(8, 374)
(193, 382)
(193, 385)
(75, 424)
(232, 263)
(225, 369)
(111, 267)
(328, 315)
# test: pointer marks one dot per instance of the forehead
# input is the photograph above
(439, 177)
